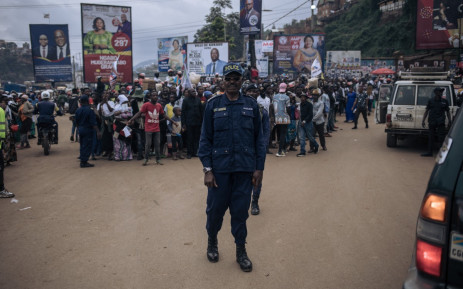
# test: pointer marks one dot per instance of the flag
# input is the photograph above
(186, 82)
(113, 75)
(46, 15)
(316, 68)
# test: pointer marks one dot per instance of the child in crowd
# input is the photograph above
(176, 132)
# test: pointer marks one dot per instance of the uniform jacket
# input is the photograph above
(232, 139)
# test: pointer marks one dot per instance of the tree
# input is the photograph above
(218, 24)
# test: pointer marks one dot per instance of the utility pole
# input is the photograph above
(312, 18)
(74, 71)
(252, 49)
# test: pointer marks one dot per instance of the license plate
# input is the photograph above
(456, 247)
(404, 118)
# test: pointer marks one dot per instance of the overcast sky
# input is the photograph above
(151, 19)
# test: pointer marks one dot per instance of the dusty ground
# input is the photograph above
(344, 218)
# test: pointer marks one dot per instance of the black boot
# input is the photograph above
(212, 250)
(255, 205)
(242, 258)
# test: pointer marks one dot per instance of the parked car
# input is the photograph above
(409, 99)
(437, 260)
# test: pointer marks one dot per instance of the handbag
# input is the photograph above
(14, 127)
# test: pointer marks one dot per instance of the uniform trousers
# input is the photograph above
(357, 114)
(86, 141)
(435, 130)
(234, 193)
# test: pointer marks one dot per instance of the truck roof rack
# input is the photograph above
(429, 75)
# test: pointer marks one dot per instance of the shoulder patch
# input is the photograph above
(247, 96)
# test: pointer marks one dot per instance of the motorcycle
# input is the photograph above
(47, 135)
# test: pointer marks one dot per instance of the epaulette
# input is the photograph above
(213, 97)
(250, 97)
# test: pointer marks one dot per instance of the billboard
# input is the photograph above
(438, 24)
(106, 35)
(51, 54)
(171, 53)
(250, 16)
(262, 61)
(296, 53)
(207, 59)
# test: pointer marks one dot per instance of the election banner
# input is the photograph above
(294, 54)
(51, 56)
(172, 53)
(207, 59)
(106, 37)
(349, 59)
(261, 46)
(439, 24)
(250, 16)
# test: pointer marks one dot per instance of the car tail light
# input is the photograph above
(428, 258)
(433, 207)
(388, 120)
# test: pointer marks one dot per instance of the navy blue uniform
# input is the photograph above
(233, 145)
(86, 120)
(266, 132)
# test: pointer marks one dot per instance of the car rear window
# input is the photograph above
(426, 92)
(405, 95)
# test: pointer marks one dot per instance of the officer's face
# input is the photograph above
(232, 82)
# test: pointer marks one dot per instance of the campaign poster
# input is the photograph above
(250, 16)
(106, 37)
(293, 54)
(51, 56)
(439, 24)
(172, 53)
(262, 61)
(343, 59)
(207, 59)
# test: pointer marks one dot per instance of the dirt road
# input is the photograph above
(344, 218)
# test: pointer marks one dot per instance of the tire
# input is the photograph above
(46, 146)
(391, 140)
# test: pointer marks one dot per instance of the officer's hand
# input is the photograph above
(209, 180)
(176, 124)
(257, 178)
(423, 124)
(130, 122)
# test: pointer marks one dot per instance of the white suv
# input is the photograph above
(409, 99)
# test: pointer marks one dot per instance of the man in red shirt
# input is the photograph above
(152, 111)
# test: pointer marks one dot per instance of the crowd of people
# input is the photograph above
(165, 122)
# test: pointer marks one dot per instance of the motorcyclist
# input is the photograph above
(46, 110)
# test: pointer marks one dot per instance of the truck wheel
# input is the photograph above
(391, 140)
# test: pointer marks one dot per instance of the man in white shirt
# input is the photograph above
(62, 48)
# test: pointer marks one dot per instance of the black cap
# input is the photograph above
(232, 67)
(439, 89)
(84, 98)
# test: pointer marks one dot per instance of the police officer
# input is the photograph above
(86, 123)
(436, 108)
(46, 109)
(232, 151)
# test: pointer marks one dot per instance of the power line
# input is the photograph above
(287, 14)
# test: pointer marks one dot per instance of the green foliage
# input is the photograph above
(214, 30)
(361, 28)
